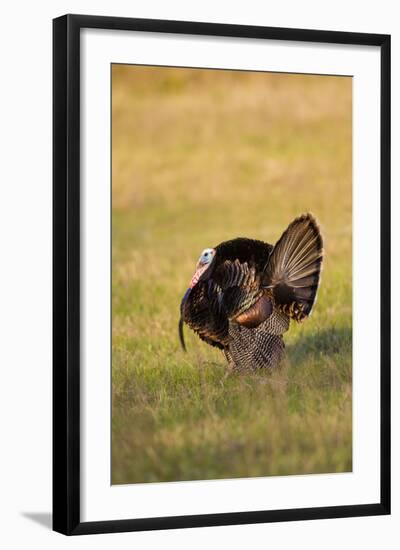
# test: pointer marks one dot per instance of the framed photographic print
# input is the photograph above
(221, 274)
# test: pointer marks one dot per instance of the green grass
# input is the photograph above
(200, 157)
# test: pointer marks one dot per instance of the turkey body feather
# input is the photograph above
(243, 300)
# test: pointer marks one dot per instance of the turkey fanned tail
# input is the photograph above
(294, 267)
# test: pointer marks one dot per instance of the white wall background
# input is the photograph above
(25, 271)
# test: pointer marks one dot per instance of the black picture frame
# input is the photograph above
(66, 273)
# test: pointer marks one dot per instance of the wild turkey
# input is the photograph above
(244, 293)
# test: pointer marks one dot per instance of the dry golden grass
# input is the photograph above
(200, 157)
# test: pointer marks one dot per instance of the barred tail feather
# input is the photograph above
(294, 267)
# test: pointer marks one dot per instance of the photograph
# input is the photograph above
(231, 268)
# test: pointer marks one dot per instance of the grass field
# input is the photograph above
(199, 157)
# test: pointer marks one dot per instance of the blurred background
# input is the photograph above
(198, 157)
